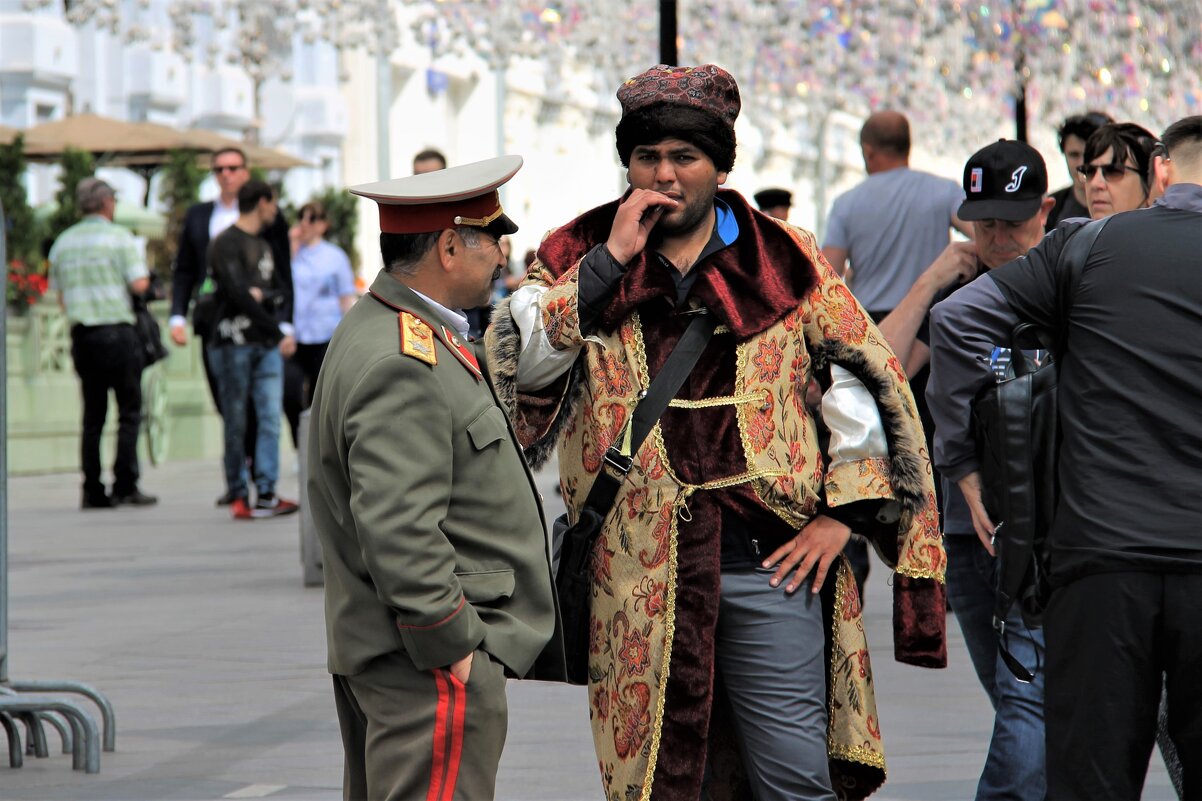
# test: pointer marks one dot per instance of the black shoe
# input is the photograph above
(96, 502)
(268, 505)
(230, 497)
(135, 498)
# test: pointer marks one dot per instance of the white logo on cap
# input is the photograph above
(974, 184)
(1016, 179)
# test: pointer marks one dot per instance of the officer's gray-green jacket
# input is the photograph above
(431, 531)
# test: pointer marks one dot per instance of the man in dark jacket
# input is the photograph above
(247, 346)
(1125, 548)
(202, 223)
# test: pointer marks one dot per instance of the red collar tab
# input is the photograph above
(464, 353)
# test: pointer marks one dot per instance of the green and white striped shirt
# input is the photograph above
(92, 264)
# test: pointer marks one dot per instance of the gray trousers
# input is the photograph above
(769, 654)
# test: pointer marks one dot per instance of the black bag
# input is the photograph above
(149, 335)
(204, 315)
(1016, 426)
(572, 545)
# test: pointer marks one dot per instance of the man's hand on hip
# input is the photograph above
(814, 548)
(636, 216)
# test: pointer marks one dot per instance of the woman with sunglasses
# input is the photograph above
(324, 285)
(1115, 172)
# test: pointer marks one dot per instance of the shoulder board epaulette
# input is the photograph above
(417, 338)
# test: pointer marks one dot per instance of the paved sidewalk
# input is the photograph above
(212, 652)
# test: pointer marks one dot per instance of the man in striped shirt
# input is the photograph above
(95, 265)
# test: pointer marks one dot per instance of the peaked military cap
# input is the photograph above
(432, 201)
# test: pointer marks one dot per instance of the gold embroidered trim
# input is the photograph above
(859, 753)
(741, 356)
(722, 400)
(640, 350)
(721, 329)
(836, 655)
(669, 637)
(921, 574)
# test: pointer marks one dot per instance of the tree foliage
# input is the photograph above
(23, 228)
(179, 188)
(76, 165)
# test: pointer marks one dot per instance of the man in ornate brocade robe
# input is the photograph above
(727, 654)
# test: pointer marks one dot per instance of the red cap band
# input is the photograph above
(396, 218)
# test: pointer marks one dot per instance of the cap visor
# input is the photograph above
(501, 226)
(1009, 210)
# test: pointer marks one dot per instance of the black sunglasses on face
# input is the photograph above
(1111, 172)
(228, 168)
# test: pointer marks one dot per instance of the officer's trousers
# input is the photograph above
(421, 735)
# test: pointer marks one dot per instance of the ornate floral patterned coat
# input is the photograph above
(739, 440)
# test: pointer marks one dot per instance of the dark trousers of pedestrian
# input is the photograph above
(418, 735)
(108, 358)
(252, 419)
(300, 377)
(1110, 639)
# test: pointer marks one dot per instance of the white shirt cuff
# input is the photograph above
(540, 363)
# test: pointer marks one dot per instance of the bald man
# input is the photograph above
(895, 223)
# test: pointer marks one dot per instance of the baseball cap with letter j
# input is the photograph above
(1004, 181)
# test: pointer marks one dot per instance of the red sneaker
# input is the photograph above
(241, 509)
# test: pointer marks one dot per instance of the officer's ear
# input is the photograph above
(446, 248)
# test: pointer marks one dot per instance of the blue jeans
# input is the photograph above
(250, 374)
(1014, 768)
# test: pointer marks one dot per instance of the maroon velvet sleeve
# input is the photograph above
(919, 621)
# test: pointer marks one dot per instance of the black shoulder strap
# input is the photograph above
(1070, 265)
(650, 408)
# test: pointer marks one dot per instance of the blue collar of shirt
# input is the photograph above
(1185, 197)
(726, 231)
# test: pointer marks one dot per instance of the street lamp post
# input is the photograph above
(667, 32)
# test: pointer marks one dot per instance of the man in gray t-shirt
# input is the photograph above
(893, 224)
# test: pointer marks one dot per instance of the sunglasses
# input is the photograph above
(1111, 172)
(228, 168)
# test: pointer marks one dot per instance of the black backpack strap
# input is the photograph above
(620, 456)
(1070, 265)
(1020, 442)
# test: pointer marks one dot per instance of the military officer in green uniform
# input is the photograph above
(437, 573)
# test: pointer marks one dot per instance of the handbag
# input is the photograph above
(1016, 426)
(572, 545)
(149, 336)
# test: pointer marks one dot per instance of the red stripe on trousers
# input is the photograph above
(459, 710)
(438, 768)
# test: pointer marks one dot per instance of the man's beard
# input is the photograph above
(691, 217)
